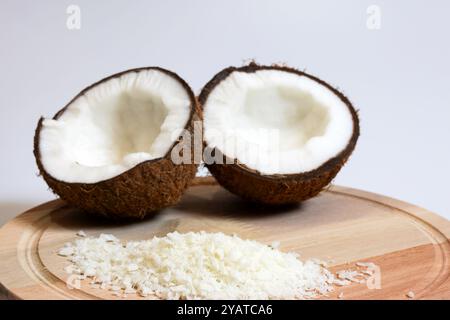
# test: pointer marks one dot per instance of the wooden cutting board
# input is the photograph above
(409, 244)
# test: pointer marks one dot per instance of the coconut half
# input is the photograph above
(274, 134)
(109, 150)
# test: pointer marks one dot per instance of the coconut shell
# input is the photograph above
(278, 188)
(138, 192)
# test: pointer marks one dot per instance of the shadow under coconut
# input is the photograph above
(220, 202)
(207, 201)
(71, 218)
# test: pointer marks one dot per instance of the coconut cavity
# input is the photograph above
(284, 134)
(114, 126)
(276, 122)
(109, 150)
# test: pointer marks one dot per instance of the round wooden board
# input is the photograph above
(409, 244)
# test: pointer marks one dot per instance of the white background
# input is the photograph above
(398, 76)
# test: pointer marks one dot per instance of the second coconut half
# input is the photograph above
(274, 134)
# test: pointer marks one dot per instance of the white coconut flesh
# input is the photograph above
(276, 122)
(114, 126)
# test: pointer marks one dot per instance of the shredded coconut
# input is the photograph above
(341, 283)
(370, 265)
(275, 244)
(81, 234)
(197, 266)
(351, 275)
(66, 251)
(201, 266)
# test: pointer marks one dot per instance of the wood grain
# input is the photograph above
(409, 244)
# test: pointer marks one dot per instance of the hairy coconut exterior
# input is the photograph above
(141, 190)
(278, 188)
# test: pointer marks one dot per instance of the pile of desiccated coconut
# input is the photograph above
(200, 266)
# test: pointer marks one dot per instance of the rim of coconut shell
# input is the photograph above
(333, 162)
(194, 110)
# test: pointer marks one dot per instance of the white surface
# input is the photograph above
(276, 122)
(397, 76)
(115, 126)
